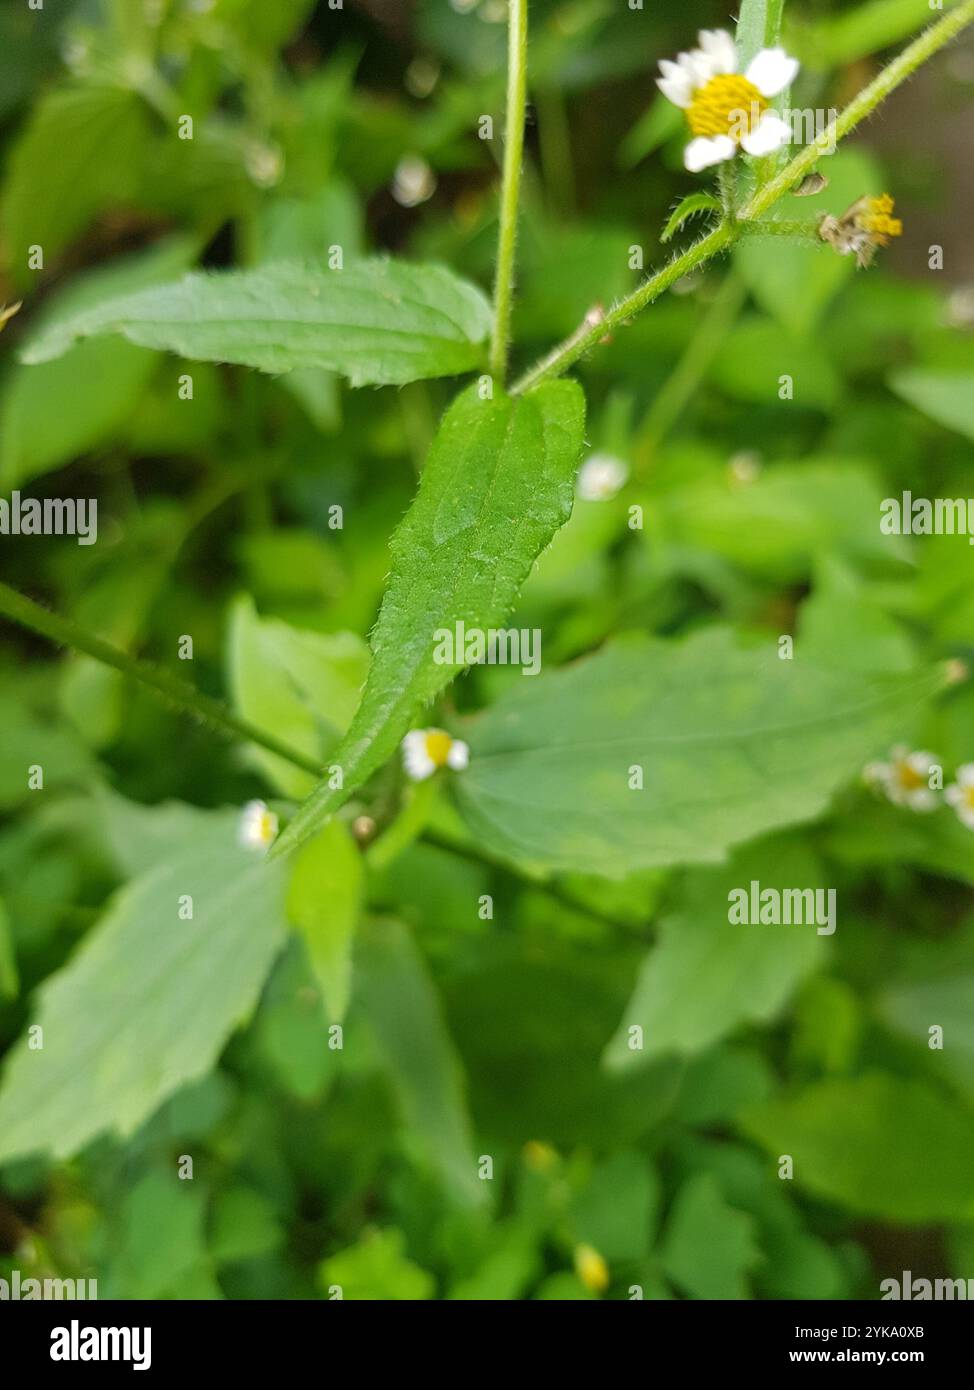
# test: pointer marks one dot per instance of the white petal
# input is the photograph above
(707, 150)
(772, 71)
(416, 760)
(966, 815)
(675, 84)
(720, 48)
(922, 800)
(697, 66)
(770, 133)
(965, 775)
(458, 756)
(953, 795)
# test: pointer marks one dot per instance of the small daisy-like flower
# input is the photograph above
(862, 228)
(413, 182)
(591, 1268)
(258, 825)
(600, 477)
(960, 795)
(905, 779)
(727, 109)
(426, 750)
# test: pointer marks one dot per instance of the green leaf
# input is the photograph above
(708, 1246)
(882, 1146)
(691, 206)
(496, 487)
(842, 626)
(749, 364)
(51, 413)
(779, 525)
(758, 26)
(376, 1269)
(844, 38)
(705, 976)
(404, 1009)
(947, 397)
(9, 977)
(732, 743)
(79, 154)
(148, 1000)
(323, 902)
(933, 987)
(377, 322)
(305, 683)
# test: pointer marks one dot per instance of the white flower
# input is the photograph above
(258, 825)
(960, 795)
(600, 477)
(413, 181)
(425, 750)
(905, 779)
(727, 109)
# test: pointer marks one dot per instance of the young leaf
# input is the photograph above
(496, 487)
(691, 206)
(728, 742)
(884, 1147)
(323, 902)
(377, 322)
(147, 1002)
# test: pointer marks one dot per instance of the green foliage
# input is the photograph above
(377, 322)
(496, 486)
(838, 1133)
(495, 1033)
(115, 1043)
(727, 743)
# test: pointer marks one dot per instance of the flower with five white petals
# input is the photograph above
(424, 751)
(600, 477)
(258, 825)
(906, 778)
(727, 109)
(960, 795)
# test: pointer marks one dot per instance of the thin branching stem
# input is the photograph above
(517, 77)
(892, 76)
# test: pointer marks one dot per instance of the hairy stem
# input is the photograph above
(892, 76)
(517, 67)
(163, 684)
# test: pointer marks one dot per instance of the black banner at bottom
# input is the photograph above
(164, 1339)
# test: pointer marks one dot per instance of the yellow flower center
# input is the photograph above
(969, 797)
(908, 777)
(438, 745)
(878, 221)
(726, 105)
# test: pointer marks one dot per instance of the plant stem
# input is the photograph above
(163, 684)
(861, 106)
(574, 347)
(517, 65)
(892, 76)
(804, 231)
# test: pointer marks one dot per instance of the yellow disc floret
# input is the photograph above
(727, 105)
(879, 222)
(438, 746)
